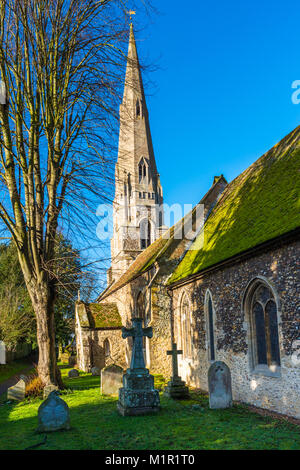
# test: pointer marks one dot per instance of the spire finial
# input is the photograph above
(130, 13)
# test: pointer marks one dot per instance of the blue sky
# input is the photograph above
(222, 94)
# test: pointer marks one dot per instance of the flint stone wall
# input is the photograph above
(280, 269)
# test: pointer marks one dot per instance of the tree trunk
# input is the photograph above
(43, 304)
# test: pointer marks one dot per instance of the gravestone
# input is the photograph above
(17, 392)
(25, 378)
(2, 353)
(48, 389)
(73, 373)
(111, 379)
(176, 388)
(219, 385)
(72, 361)
(137, 396)
(95, 370)
(53, 414)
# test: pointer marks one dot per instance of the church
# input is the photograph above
(223, 282)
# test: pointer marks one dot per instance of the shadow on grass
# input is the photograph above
(96, 424)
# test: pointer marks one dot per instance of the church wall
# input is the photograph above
(227, 286)
(125, 299)
(91, 352)
(117, 348)
(158, 316)
(161, 341)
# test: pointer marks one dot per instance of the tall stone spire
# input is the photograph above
(138, 192)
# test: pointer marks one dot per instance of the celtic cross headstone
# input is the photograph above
(137, 396)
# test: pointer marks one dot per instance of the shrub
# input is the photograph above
(34, 386)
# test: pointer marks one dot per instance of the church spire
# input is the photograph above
(137, 188)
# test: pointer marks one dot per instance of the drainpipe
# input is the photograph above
(149, 286)
(170, 294)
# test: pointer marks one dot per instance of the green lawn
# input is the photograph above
(9, 370)
(97, 425)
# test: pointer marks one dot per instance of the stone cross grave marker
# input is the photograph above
(17, 392)
(111, 379)
(137, 333)
(137, 396)
(174, 353)
(219, 385)
(2, 353)
(176, 388)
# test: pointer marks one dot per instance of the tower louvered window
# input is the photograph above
(145, 233)
(142, 171)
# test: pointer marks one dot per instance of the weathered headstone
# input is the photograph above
(48, 389)
(17, 392)
(72, 361)
(111, 379)
(53, 414)
(137, 396)
(73, 373)
(2, 353)
(219, 385)
(176, 388)
(95, 370)
(25, 378)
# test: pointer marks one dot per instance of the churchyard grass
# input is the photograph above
(97, 425)
(13, 368)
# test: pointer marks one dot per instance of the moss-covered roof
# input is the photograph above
(259, 205)
(99, 315)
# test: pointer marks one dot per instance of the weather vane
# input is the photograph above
(130, 13)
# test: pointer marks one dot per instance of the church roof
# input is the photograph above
(262, 203)
(167, 244)
(98, 315)
(141, 264)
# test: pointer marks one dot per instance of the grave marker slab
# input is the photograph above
(2, 353)
(17, 392)
(73, 373)
(48, 389)
(95, 371)
(111, 379)
(53, 414)
(219, 385)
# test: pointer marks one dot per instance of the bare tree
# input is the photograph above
(61, 64)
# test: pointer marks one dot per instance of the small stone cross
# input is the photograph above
(137, 332)
(174, 353)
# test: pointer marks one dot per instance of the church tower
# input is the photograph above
(137, 218)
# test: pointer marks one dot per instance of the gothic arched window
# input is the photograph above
(106, 347)
(210, 327)
(145, 233)
(142, 170)
(262, 310)
(185, 324)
